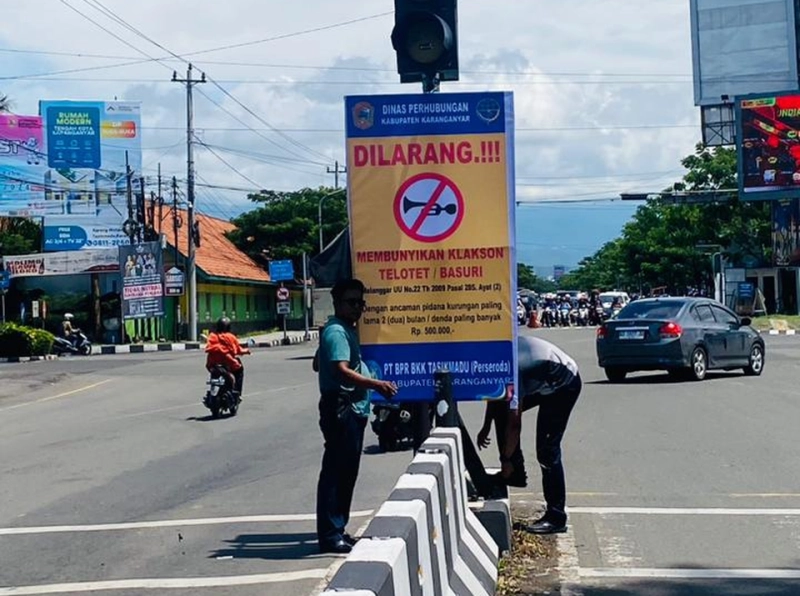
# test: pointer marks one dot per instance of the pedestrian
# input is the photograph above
(344, 382)
(548, 378)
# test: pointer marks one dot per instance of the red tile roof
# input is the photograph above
(217, 256)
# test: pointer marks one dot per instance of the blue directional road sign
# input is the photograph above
(281, 270)
(5, 280)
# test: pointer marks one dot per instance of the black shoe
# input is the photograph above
(351, 540)
(545, 526)
(340, 547)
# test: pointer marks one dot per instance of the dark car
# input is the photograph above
(684, 336)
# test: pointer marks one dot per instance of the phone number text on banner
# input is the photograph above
(432, 230)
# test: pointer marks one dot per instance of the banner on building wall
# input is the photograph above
(62, 263)
(431, 192)
(89, 144)
(142, 272)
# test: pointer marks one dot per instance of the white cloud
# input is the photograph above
(585, 65)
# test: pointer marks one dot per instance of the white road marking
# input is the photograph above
(194, 404)
(170, 523)
(679, 511)
(671, 573)
(166, 584)
(52, 397)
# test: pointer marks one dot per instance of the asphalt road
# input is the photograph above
(113, 478)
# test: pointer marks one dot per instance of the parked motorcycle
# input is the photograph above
(77, 344)
(392, 425)
(220, 396)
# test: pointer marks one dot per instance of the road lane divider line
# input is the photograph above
(170, 523)
(681, 511)
(60, 395)
(165, 583)
(194, 404)
(674, 573)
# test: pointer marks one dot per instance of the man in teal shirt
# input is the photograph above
(343, 412)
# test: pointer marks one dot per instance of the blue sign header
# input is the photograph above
(281, 270)
(373, 116)
(73, 135)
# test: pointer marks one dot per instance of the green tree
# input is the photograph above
(669, 244)
(527, 278)
(19, 236)
(284, 225)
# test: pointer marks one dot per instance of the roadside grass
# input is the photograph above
(765, 323)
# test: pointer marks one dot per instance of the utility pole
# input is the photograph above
(336, 171)
(190, 265)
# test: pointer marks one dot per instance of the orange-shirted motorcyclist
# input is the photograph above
(223, 349)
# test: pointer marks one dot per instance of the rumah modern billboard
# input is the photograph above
(89, 144)
(768, 133)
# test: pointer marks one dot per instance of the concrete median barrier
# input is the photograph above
(424, 540)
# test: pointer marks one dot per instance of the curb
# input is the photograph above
(274, 343)
(15, 359)
(142, 348)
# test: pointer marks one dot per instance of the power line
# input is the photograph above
(97, 5)
(462, 83)
(230, 167)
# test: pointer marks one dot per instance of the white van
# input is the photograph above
(607, 299)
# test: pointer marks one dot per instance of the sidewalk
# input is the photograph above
(268, 340)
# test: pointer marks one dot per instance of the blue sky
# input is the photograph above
(603, 92)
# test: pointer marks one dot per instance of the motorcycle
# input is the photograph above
(220, 396)
(565, 315)
(77, 344)
(583, 316)
(522, 314)
(548, 316)
(392, 425)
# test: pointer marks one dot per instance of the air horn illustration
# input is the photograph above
(437, 209)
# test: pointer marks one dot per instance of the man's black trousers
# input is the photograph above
(343, 431)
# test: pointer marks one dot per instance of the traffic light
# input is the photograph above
(425, 37)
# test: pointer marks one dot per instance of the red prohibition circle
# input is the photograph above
(444, 182)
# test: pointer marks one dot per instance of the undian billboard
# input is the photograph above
(88, 146)
(22, 167)
(431, 202)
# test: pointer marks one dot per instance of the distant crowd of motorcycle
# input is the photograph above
(569, 308)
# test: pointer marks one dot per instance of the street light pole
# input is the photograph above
(319, 213)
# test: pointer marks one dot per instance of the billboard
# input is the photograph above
(62, 263)
(786, 233)
(142, 271)
(22, 166)
(768, 129)
(431, 203)
(741, 47)
(88, 143)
